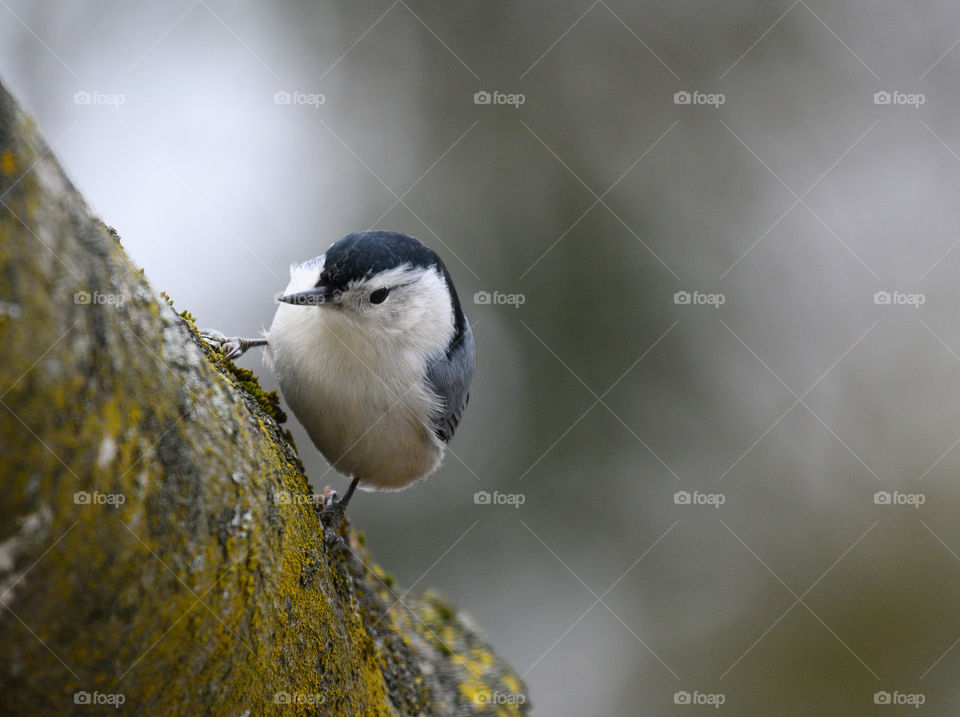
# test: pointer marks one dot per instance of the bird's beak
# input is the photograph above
(316, 296)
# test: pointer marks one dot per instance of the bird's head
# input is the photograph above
(388, 286)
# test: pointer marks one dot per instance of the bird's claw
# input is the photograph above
(231, 347)
(331, 516)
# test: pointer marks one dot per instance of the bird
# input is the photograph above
(374, 356)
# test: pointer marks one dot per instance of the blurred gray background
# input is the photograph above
(603, 401)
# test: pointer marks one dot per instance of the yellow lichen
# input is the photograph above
(196, 589)
(8, 163)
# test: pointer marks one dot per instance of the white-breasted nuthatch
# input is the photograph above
(374, 356)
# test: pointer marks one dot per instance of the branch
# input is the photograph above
(159, 548)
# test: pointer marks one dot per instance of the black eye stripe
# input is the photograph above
(379, 296)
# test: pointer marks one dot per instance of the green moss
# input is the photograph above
(199, 593)
(381, 575)
(268, 401)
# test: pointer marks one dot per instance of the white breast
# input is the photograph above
(365, 404)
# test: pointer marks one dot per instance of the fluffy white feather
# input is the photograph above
(353, 372)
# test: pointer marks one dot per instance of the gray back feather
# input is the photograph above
(449, 376)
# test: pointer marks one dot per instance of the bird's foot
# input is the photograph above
(332, 516)
(232, 347)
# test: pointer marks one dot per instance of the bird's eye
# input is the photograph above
(379, 296)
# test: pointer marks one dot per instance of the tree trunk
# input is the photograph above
(159, 551)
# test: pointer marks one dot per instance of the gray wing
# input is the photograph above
(449, 376)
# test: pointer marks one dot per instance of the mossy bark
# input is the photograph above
(158, 548)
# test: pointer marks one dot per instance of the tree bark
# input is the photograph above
(159, 551)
